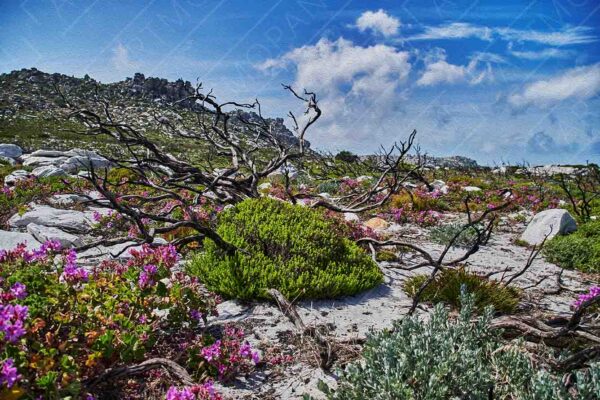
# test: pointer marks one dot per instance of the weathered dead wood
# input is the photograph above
(289, 310)
(112, 375)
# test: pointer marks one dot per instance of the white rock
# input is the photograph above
(10, 240)
(325, 195)
(440, 186)
(351, 217)
(289, 169)
(548, 222)
(15, 176)
(363, 178)
(77, 163)
(10, 150)
(48, 171)
(45, 233)
(68, 220)
(46, 153)
(7, 160)
(410, 185)
(67, 199)
(264, 186)
(471, 189)
(35, 161)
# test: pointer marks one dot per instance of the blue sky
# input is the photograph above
(497, 81)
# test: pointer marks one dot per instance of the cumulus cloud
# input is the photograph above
(460, 30)
(121, 60)
(332, 65)
(439, 71)
(576, 83)
(358, 86)
(378, 22)
(442, 72)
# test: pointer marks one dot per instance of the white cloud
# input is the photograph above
(566, 36)
(576, 83)
(378, 22)
(542, 54)
(439, 71)
(328, 65)
(460, 30)
(358, 86)
(121, 60)
(442, 72)
(455, 30)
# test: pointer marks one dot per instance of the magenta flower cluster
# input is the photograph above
(146, 278)
(72, 273)
(8, 373)
(592, 293)
(205, 391)
(21, 252)
(12, 321)
(230, 353)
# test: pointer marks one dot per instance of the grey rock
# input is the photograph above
(48, 171)
(67, 199)
(548, 222)
(15, 176)
(10, 150)
(351, 217)
(10, 240)
(35, 161)
(7, 160)
(45, 233)
(67, 220)
(471, 189)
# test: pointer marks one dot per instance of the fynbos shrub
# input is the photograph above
(290, 248)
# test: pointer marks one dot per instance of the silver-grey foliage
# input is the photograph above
(441, 359)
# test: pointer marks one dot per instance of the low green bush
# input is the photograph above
(447, 286)
(291, 248)
(439, 359)
(579, 250)
(443, 234)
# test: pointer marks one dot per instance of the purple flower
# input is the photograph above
(195, 314)
(145, 280)
(8, 373)
(72, 273)
(255, 357)
(12, 321)
(184, 394)
(592, 293)
(212, 352)
(18, 290)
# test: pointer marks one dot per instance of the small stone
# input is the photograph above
(377, 223)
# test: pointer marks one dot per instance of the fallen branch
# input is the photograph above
(289, 310)
(115, 374)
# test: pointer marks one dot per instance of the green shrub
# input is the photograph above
(446, 288)
(440, 359)
(346, 156)
(386, 255)
(442, 234)
(290, 248)
(328, 187)
(579, 250)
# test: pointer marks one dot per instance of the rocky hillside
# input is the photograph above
(31, 95)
